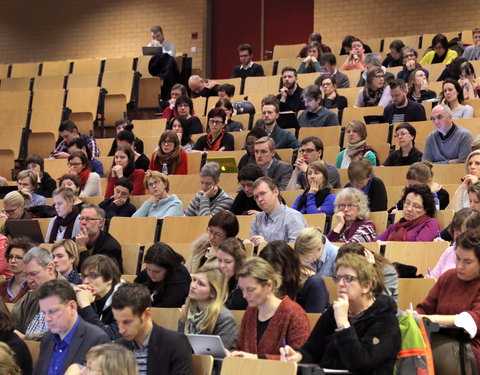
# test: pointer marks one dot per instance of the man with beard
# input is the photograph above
(290, 94)
(401, 109)
(315, 115)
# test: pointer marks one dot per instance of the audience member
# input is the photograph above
(8, 362)
(121, 125)
(14, 209)
(72, 182)
(252, 136)
(4, 267)
(310, 64)
(65, 258)
(27, 181)
(299, 282)
(290, 96)
(317, 197)
(418, 87)
(448, 143)
(205, 313)
(80, 144)
(244, 204)
(268, 321)
(328, 66)
(276, 221)
(68, 131)
(170, 157)
(440, 52)
(164, 66)
(452, 95)
(473, 52)
(271, 166)
(127, 138)
(350, 222)
(472, 165)
(407, 153)
(177, 90)
(247, 67)
(401, 109)
(217, 139)
(331, 98)
(356, 147)
(202, 87)
(315, 115)
(314, 37)
(355, 59)
(45, 183)
(79, 165)
(347, 45)
(180, 126)
(119, 204)
(394, 58)
(467, 81)
(165, 276)
(158, 40)
(211, 199)
(158, 350)
(474, 196)
(410, 63)
(184, 107)
(124, 166)
(371, 60)
(376, 92)
(361, 177)
(226, 91)
(67, 223)
(230, 125)
(93, 240)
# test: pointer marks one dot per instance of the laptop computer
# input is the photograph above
(287, 120)
(27, 228)
(150, 51)
(227, 164)
(374, 119)
(207, 345)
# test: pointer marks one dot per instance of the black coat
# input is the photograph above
(22, 354)
(105, 245)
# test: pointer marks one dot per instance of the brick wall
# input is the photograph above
(41, 30)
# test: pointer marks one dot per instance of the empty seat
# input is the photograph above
(119, 64)
(139, 230)
(24, 70)
(55, 68)
(15, 84)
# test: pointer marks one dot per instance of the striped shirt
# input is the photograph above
(141, 354)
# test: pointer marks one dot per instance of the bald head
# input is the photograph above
(441, 118)
(196, 83)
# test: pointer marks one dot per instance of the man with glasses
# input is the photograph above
(93, 240)
(315, 115)
(373, 59)
(278, 170)
(328, 65)
(247, 67)
(401, 109)
(276, 221)
(311, 150)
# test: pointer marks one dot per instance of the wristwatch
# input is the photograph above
(345, 326)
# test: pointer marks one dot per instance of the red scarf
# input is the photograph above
(83, 175)
(399, 232)
(214, 144)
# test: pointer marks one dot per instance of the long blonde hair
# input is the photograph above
(7, 361)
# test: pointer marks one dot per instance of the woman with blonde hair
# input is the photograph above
(205, 313)
(356, 148)
(472, 165)
(376, 92)
(269, 322)
(28, 180)
(65, 257)
(8, 366)
(66, 224)
(169, 153)
(14, 208)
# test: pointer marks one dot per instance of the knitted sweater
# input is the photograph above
(170, 206)
(203, 206)
(92, 187)
(456, 146)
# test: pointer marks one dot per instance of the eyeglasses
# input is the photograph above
(398, 135)
(413, 205)
(348, 206)
(306, 150)
(83, 218)
(260, 195)
(380, 76)
(9, 212)
(308, 100)
(347, 279)
(408, 55)
(215, 234)
(153, 183)
(215, 122)
(327, 84)
(33, 274)
(16, 257)
(167, 143)
(91, 276)
(74, 164)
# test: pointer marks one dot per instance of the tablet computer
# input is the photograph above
(207, 345)
(227, 164)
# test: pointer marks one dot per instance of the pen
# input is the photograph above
(439, 235)
(428, 271)
(285, 348)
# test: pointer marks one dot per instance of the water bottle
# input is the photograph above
(165, 169)
(437, 201)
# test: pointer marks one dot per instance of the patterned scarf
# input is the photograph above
(372, 98)
(214, 144)
(67, 221)
(194, 322)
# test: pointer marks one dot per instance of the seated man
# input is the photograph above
(119, 204)
(314, 37)
(280, 171)
(226, 91)
(247, 67)
(328, 64)
(125, 124)
(159, 351)
(449, 143)
(202, 87)
(373, 59)
(311, 150)
(244, 204)
(69, 337)
(401, 109)
(473, 52)
(101, 278)
(68, 131)
(290, 96)
(277, 221)
(315, 115)
(93, 240)
(79, 144)
(158, 40)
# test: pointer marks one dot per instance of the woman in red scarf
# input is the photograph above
(171, 153)
(217, 139)
(417, 223)
(79, 165)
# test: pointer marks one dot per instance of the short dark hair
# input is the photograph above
(316, 141)
(359, 169)
(227, 221)
(470, 240)
(245, 47)
(67, 125)
(394, 83)
(425, 193)
(397, 45)
(250, 172)
(156, 29)
(289, 69)
(184, 100)
(227, 88)
(135, 296)
(459, 89)
(81, 155)
(125, 182)
(440, 38)
(315, 37)
(186, 136)
(58, 287)
(81, 143)
(217, 112)
(271, 100)
(258, 132)
(409, 128)
(125, 135)
(72, 177)
(327, 58)
(126, 121)
(36, 159)
(224, 103)
(312, 91)
(104, 265)
(347, 41)
(21, 242)
(162, 255)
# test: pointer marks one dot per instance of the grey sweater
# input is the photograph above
(200, 206)
(456, 146)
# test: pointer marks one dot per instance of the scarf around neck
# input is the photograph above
(214, 144)
(195, 319)
(399, 232)
(84, 175)
(319, 198)
(67, 221)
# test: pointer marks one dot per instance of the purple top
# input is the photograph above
(422, 233)
(445, 263)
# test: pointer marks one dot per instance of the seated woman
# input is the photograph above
(410, 63)
(417, 223)
(14, 288)
(127, 138)
(120, 125)
(351, 214)
(165, 276)
(299, 282)
(205, 313)
(65, 257)
(421, 173)
(184, 107)
(472, 166)
(269, 322)
(177, 90)
(418, 87)
(170, 157)
(72, 182)
(317, 198)
(14, 208)
(119, 204)
(211, 199)
(230, 259)
(80, 144)
(316, 251)
(310, 64)
(45, 183)
(376, 91)
(440, 52)
(66, 224)
(79, 165)
(343, 340)
(394, 58)
(331, 98)
(356, 147)
(124, 166)
(453, 301)
(463, 220)
(407, 153)
(356, 56)
(27, 180)
(221, 226)
(468, 81)
(230, 125)
(252, 136)
(452, 95)
(160, 204)
(244, 203)
(217, 139)
(361, 177)
(181, 129)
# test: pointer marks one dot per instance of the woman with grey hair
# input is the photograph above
(351, 214)
(211, 199)
(410, 63)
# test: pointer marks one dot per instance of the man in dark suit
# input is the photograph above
(70, 337)
(159, 351)
(272, 167)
